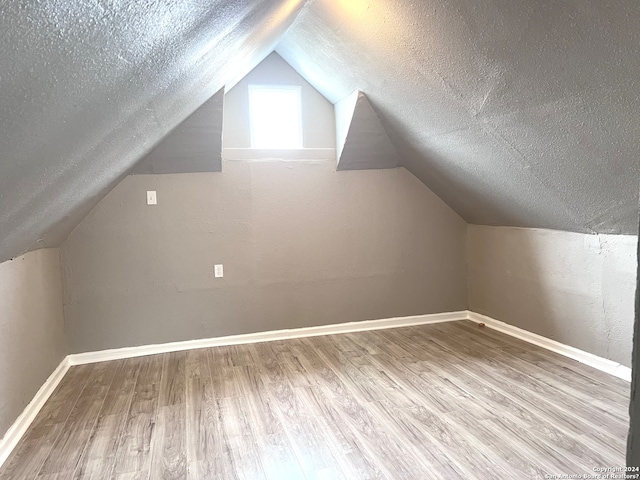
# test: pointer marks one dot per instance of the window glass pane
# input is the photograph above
(275, 116)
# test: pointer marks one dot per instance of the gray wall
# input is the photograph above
(633, 439)
(318, 121)
(301, 245)
(32, 340)
(575, 288)
(193, 146)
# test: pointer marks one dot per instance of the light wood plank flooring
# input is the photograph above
(450, 401)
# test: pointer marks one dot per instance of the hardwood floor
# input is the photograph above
(449, 401)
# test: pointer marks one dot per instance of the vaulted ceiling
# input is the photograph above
(514, 112)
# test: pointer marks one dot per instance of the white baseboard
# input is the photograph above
(128, 352)
(20, 426)
(603, 364)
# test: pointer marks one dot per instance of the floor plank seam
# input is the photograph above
(446, 400)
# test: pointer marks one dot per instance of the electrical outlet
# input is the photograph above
(152, 199)
(218, 272)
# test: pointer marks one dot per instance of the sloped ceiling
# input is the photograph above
(88, 88)
(514, 112)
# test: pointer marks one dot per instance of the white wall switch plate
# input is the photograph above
(151, 197)
(218, 271)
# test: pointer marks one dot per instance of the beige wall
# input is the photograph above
(574, 288)
(301, 245)
(32, 340)
(318, 120)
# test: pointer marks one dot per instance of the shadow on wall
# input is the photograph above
(574, 288)
(505, 280)
(32, 341)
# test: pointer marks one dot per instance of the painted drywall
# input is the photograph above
(301, 245)
(575, 288)
(318, 122)
(193, 146)
(514, 113)
(89, 88)
(32, 341)
(361, 140)
(344, 114)
(633, 440)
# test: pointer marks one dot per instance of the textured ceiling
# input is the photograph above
(88, 88)
(514, 112)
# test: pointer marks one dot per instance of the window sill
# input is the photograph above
(294, 154)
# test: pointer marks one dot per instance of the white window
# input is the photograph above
(276, 116)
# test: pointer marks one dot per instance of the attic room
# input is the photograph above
(319, 239)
